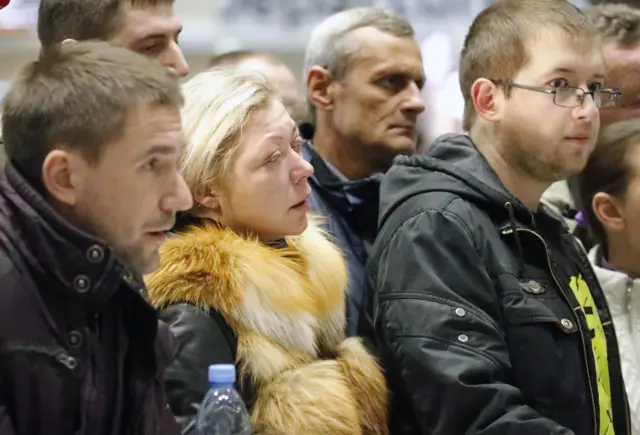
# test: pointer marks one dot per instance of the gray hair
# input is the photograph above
(617, 22)
(330, 46)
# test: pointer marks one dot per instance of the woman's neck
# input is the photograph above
(622, 256)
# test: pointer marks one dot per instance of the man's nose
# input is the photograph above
(175, 62)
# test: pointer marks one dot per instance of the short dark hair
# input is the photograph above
(84, 19)
(231, 59)
(78, 95)
(607, 170)
(496, 44)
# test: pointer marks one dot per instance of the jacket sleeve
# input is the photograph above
(437, 327)
(200, 343)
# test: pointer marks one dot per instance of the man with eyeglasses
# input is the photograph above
(488, 317)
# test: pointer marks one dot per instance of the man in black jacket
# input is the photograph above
(488, 316)
(92, 133)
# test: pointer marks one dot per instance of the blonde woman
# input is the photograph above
(248, 279)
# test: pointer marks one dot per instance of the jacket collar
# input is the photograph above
(355, 200)
(280, 292)
(83, 266)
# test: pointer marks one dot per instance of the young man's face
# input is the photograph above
(539, 138)
(153, 32)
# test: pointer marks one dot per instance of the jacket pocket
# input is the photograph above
(545, 348)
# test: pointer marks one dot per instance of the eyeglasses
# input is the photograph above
(572, 97)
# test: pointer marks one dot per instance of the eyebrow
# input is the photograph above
(159, 35)
(394, 69)
(571, 71)
(294, 132)
(159, 149)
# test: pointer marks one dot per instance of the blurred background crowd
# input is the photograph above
(281, 28)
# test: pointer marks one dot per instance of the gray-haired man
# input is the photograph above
(363, 71)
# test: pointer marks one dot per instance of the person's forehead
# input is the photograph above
(274, 118)
(382, 50)
(151, 129)
(143, 22)
(555, 52)
(263, 127)
(372, 39)
(623, 63)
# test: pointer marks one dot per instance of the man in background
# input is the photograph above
(363, 73)
(619, 26)
(148, 27)
(274, 69)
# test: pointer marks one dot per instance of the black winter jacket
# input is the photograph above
(81, 351)
(478, 328)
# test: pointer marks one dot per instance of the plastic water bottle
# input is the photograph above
(223, 411)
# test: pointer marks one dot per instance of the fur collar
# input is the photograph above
(294, 295)
(287, 309)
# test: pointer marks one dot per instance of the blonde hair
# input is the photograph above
(218, 104)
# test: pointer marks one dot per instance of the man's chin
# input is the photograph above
(402, 146)
(142, 263)
(150, 264)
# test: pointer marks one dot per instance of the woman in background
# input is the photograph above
(610, 189)
(247, 279)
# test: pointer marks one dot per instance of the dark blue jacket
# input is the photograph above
(351, 211)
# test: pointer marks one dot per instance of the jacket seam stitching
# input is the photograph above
(444, 212)
(453, 344)
(417, 296)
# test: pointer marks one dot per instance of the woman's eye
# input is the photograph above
(274, 157)
(297, 144)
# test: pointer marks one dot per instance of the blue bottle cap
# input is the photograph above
(222, 374)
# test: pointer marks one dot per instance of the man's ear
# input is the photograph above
(319, 87)
(487, 100)
(63, 175)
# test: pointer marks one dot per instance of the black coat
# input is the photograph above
(478, 327)
(80, 349)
